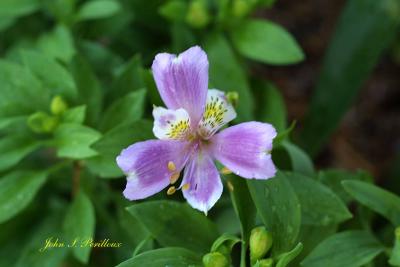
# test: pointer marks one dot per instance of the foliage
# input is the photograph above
(75, 89)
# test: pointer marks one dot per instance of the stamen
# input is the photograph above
(171, 190)
(174, 177)
(225, 171)
(171, 166)
(186, 186)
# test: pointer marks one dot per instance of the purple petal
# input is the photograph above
(202, 177)
(245, 149)
(183, 80)
(146, 166)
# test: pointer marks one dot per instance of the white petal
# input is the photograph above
(171, 124)
(217, 113)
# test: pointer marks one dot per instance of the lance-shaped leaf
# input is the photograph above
(175, 256)
(279, 209)
(176, 224)
(79, 226)
(379, 200)
(346, 249)
(17, 189)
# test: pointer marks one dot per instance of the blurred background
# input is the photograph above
(76, 88)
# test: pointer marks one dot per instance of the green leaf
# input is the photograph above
(17, 189)
(364, 30)
(79, 226)
(112, 143)
(225, 239)
(14, 148)
(21, 93)
(394, 259)
(98, 9)
(89, 89)
(174, 10)
(58, 43)
(176, 224)
(346, 249)
(127, 109)
(333, 179)
(14, 8)
(279, 209)
(285, 258)
(226, 74)
(243, 204)
(47, 228)
(271, 106)
(176, 257)
(266, 42)
(301, 162)
(129, 78)
(6, 22)
(54, 76)
(74, 115)
(377, 199)
(74, 140)
(319, 205)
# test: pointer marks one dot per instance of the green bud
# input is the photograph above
(58, 105)
(233, 98)
(240, 8)
(41, 122)
(260, 243)
(215, 259)
(197, 15)
(265, 263)
(397, 233)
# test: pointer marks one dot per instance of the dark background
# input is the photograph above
(368, 136)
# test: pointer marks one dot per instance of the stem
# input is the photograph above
(243, 254)
(76, 177)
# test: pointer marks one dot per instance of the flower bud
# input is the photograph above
(197, 15)
(233, 98)
(215, 259)
(260, 243)
(240, 8)
(265, 263)
(58, 105)
(41, 122)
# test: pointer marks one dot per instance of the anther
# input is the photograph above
(186, 186)
(171, 190)
(225, 171)
(171, 166)
(174, 177)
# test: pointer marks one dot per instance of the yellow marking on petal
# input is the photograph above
(179, 129)
(230, 186)
(174, 177)
(225, 171)
(171, 166)
(214, 113)
(171, 190)
(186, 186)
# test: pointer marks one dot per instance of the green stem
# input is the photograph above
(76, 177)
(243, 254)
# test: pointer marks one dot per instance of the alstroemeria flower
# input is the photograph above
(188, 139)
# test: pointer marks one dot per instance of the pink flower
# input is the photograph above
(187, 137)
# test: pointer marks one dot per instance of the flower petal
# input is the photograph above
(146, 166)
(245, 149)
(203, 182)
(183, 80)
(171, 124)
(217, 113)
